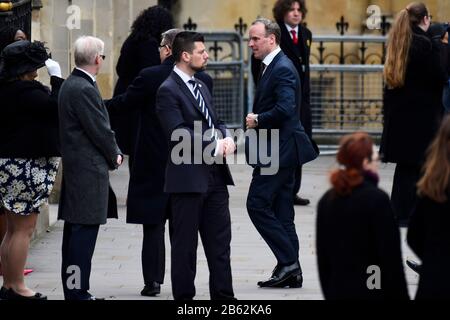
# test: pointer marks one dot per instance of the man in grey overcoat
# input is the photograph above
(89, 150)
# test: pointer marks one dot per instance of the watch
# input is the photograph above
(256, 120)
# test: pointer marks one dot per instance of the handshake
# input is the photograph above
(225, 147)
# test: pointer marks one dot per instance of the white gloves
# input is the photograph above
(53, 68)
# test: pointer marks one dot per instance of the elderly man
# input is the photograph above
(89, 150)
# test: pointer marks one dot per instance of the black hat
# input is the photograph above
(22, 57)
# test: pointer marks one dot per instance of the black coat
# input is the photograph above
(429, 237)
(134, 56)
(29, 119)
(147, 203)
(354, 233)
(299, 55)
(412, 114)
(177, 108)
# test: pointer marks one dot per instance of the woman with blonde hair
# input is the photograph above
(428, 234)
(415, 73)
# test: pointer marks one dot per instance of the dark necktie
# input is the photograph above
(262, 68)
(202, 106)
(294, 37)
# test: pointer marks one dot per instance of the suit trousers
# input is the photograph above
(270, 206)
(77, 251)
(209, 215)
(298, 180)
(404, 191)
(153, 254)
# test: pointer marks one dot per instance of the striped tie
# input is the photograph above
(203, 108)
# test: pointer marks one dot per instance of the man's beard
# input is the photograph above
(199, 69)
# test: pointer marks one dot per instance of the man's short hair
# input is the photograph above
(86, 49)
(169, 36)
(270, 27)
(282, 7)
(185, 42)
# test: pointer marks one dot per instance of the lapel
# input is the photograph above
(81, 74)
(266, 75)
(183, 87)
(203, 90)
(287, 40)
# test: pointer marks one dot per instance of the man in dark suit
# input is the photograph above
(270, 202)
(197, 187)
(147, 203)
(89, 150)
(296, 44)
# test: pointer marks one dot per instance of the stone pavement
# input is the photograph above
(116, 270)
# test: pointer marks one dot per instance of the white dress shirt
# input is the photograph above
(269, 58)
(90, 75)
(289, 29)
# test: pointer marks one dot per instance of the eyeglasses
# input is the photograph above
(163, 46)
(102, 56)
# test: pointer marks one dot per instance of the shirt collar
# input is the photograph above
(90, 75)
(268, 60)
(183, 75)
(289, 29)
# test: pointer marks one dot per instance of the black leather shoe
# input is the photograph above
(294, 282)
(281, 275)
(414, 266)
(298, 201)
(12, 295)
(152, 290)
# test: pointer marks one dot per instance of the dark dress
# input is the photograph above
(353, 234)
(135, 55)
(429, 237)
(412, 115)
(29, 144)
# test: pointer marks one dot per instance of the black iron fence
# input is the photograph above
(17, 13)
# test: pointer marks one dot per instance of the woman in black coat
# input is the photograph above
(415, 72)
(29, 154)
(428, 233)
(358, 243)
(140, 50)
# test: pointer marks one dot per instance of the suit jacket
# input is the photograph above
(277, 102)
(147, 203)
(89, 150)
(177, 108)
(300, 56)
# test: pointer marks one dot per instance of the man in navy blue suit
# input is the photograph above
(198, 189)
(270, 203)
(147, 203)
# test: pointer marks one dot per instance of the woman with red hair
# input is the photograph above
(358, 241)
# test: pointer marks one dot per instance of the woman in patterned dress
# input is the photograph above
(28, 154)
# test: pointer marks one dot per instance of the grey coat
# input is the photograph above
(89, 150)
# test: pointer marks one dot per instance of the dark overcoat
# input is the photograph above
(354, 233)
(412, 113)
(429, 238)
(89, 150)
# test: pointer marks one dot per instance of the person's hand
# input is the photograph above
(53, 68)
(445, 39)
(119, 160)
(251, 121)
(230, 146)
